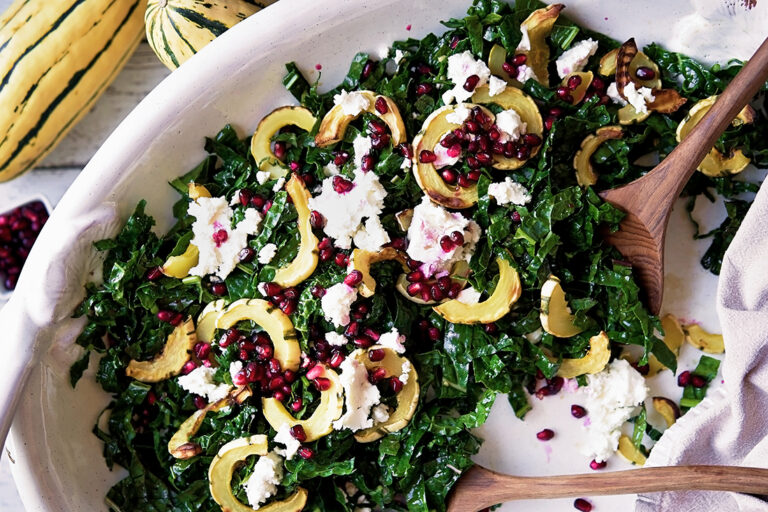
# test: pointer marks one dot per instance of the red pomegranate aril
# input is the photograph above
(153, 275)
(291, 293)
(425, 295)
(531, 139)
(164, 315)
(220, 236)
(316, 219)
(444, 283)
(564, 93)
(261, 338)
(188, 367)
(219, 289)
(367, 69)
(472, 126)
(479, 116)
(519, 59)
(422, 89)
(510, 69)
(545, 435)
(555, 385)
(276, 383)
(454, 151)
(246, 255)
(471, 82)
(325, 243)
(523, 153)
(381, 105)
(264, 352)
(322, 384)
(297, 431)
(574, 82)
(556, 111)
(377, 375)
(491, 328)
(582, 505)
(352, 329)
(684, 379)
(244, 354)
(377, 127)
(414, 289)
(515, 217)
(279, 395)
(288, 306)
(698, 381)
(460, 133)
(415, 276)
(542, 392)
(597, 84)
(645, 73)
(306, 453)
(279, 150)
(341, 158)
(258, 201)
(454, 291)
(498, 148)
(336, 359)
(307, 178)
(376, 354)
(434, 333)
(342, 185)
(474, 176)
(274, 365)
(399, 243)
(454, 42)
(484, 158)
(240, 379)
(473, 162)
(316, 371)
(272, 288)
(297, 404)
(423, 69)
(354, 278)
(202, 350)
(341, 259)
(371, 333)
(449, 176)
(317, 291)
(597, 465)
(405, 150)
(362, 341)
(426, 156)
(446, 244)
(449, 140)
(578, 411)
(412, 264)
(199, 402)
(326, 254)
(395, 384)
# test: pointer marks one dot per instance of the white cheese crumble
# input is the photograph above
(510, 125)
(361, 147)
(213, 214)
(262, 484)
(638, 98)
(267, 253)
(469, 295)
(613, 92)
(262, 177)
(429, 224)
(380, 413)
(262, 287)
(535, 336)
(335, 339)
(278, 185)
(235, 367)
(496, 86)
(575, 58)
(509, 191)
(442, 158)
(285, 438)
(344, 213)
(352, 103)
(459, 114)
(200, 382)
(405, 372)
(359, 396)
(524, 73)
(460, 67)
(331, 169)
(393, 340)
(372, 235)
(612, 396)
(337, 302)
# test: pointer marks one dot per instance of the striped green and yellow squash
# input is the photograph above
(56, 58)
(177, 29)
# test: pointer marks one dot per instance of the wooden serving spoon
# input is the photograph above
(480, 487)
(648, 200)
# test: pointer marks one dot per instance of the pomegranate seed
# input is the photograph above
(548, 122)
(444, 283)
(289, 306)
(219, 289)
(413, 264)
(220, 236)
(555, 385)
(474, 176)
(597, 465)
(377, 375)
(545, 435)
(449, 176)
(698, 381)
(279, 395)
(274, 365)
(246, 255)
(491, 328)
(176, 320)
(308, 179)
(354, 278)
(423, 69)
(471, 83)
(341, 158)
(472, 127)
(454, 151)
(199, 402)
(188, 367)
(434, 333)
(367, 69)
(318, 291)
(297, 404)
(457, 237)
(258, 201)
(305, 452)
(342, 185)
(367, 163)
(395, 384)
(240, 379)
(405, 150)
(427, 156)
(272, 288)
(368, 331)
(279, 150)
(264, 352)
(399, 243)
(352, 329)
(542, 392)
(574, 82)
(531, 139)
(446, 244)
(684, 379)
(598, 84)
(582, 505)
(276, 383)
(322, 384)
(342, 259)
(515, 217)
(315, 372)
(153, 275)
(362, 341)
(564, 94)
(415, 276)
(202, 350)
(510, 69)
(376, 354)
(316, 219)
(484, 158)
(422, 89)
(578, 411)
(381, 105)
(164, 315)
(414, 289)
(377, 127)
(297, 431)
(336, 359)
(519, 59)
(325, 254)
(325, 243)
(454, 291)
(645, 73)
(454, 42)
(556, 111)
(291, 293)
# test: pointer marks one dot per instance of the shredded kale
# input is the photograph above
(692, 395)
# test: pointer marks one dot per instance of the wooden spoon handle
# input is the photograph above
(480, 487)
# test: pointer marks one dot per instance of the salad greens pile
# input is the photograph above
(465, 368)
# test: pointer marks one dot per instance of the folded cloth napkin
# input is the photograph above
(730, 427)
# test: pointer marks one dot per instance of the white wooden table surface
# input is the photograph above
(142, 73)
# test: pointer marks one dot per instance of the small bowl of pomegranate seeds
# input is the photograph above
(19, 228)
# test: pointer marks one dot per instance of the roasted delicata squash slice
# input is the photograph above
(556, 317)
(515, 99)
(195, 191)
(582, 162)
(593, 362)
(261, 142)
(223, 466)
(640, 60)
(335, 122)
(628, 450)
(667, 409)
(180, 445)
(580, 91)
(539, 25)
(507, 291)
(179, 266)
(306, 260)
(628, 115)
(170, 361)
(407, 398)
(362, 260)
(496, 59)
(320, 423)
(673, 339)
(459, 272)
(665, 101)
(206, 320)
(715, 163)
(432, 131)
(276, 324)
(703, 340)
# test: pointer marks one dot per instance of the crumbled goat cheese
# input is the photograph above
(344, 213)
(442, 158)
(613, 92)
(496, 86)
(469, 296)
(392, 339)
(213, 214)
(278, 185)
(337, 302)
(335, 339)
(638, 98)
(359, 395)
(459, 114)
(525, 41)
(267, 253)
(361, 147)
(509, 191)
(535, 336)
(524, 73)
(352, 103)
(429, 224)
(612, 396)
(380, 413)
(235, 367)
(262, 177)
(262, 484)
(460, 67)
(200, 382)
(510, 125)
(575, 58)
(405, 372)
(285, 438)
(372, 235)
(331, 169)
(262, 287)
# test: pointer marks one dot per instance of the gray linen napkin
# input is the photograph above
(730, 427)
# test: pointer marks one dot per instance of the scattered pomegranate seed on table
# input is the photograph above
(597, 465)
(19, 229)
(582, 505)
(545, 435)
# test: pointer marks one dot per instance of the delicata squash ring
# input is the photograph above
(261, 142)
(305, 262)
(555, 316)
(539, 25)
(593, 362)
(334, 124)
(407, 398)
(170, 361)
(673, 339)
(582, 161)
(665, 101)
(223, 467)
(362, 260)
